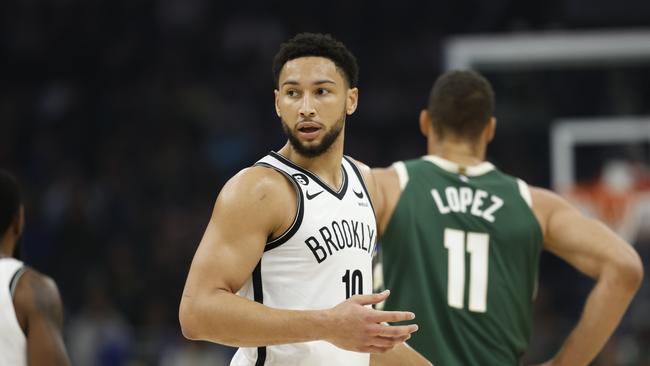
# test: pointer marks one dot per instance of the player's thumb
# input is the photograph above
(372, 299)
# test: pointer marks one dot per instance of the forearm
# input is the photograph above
(402, 355)
(233, 320)
(602, 313)
(45, 344)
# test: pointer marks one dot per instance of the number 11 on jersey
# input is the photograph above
(478, 248)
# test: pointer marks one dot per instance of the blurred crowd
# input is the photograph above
(123, 119)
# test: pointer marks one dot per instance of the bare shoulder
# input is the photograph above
(545, 203)
(364, 170)
(388, 191)
(257, 188)
(256, 183)
(386, 177)
(258, 196)
(378, 178)
(37, 294)
(545, 197)
(388, 187)
(368, 178)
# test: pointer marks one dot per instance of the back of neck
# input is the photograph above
(458, 152)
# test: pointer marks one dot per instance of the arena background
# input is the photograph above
(123, 119)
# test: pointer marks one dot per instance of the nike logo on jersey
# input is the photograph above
(359, 194)
(310, 196)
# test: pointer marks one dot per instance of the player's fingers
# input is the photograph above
(397, 340)
(383, 341)
(379, 316)
(370, 299)
(394, 330)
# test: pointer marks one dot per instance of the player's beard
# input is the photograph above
(315, 150)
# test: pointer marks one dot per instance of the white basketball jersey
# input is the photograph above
(322, 259)
(13, 345)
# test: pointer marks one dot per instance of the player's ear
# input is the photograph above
(351, 101)
(490, 130)
(425, 123)
(276, 93)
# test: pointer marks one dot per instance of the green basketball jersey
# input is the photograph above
(461, 251)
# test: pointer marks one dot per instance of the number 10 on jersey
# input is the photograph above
(477, 245)
(353, 283)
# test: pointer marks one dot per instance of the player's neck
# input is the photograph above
(6, 247)
(461, 153)
(327, 165)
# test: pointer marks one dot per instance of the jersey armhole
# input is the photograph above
(15, 278)
(402, 174)
(362, 180)
(525, 192)
(297, 220)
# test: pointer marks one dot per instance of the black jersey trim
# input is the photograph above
(258, 295)
(344, 185)
(297, 220)
(362, 181)
(14, 279)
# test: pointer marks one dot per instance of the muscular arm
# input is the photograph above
(401, 355)
(252, 206)
(40, 313)
(596, 251)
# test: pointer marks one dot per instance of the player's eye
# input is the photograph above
(322, 91)
(292, 93)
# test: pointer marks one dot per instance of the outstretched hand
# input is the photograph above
(356, 327)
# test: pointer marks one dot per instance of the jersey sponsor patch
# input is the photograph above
(301, 178)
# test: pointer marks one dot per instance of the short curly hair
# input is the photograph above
(461, 103)
(319, 45)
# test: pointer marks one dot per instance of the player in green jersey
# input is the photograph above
(461, 243)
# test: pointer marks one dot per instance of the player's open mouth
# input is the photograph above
(309, 130)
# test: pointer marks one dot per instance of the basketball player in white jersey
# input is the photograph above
(284, 267)
(31, 314)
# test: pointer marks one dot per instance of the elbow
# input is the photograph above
(202, 319)
(189, 325)
(189, 332)
(630, 271)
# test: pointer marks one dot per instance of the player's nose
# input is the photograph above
(307, 107)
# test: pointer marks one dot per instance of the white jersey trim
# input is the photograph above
(361, 179)
(450, 166)
(297, 219)
(402, 174)
(525, 192)
(338, 193)
(15, 279)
